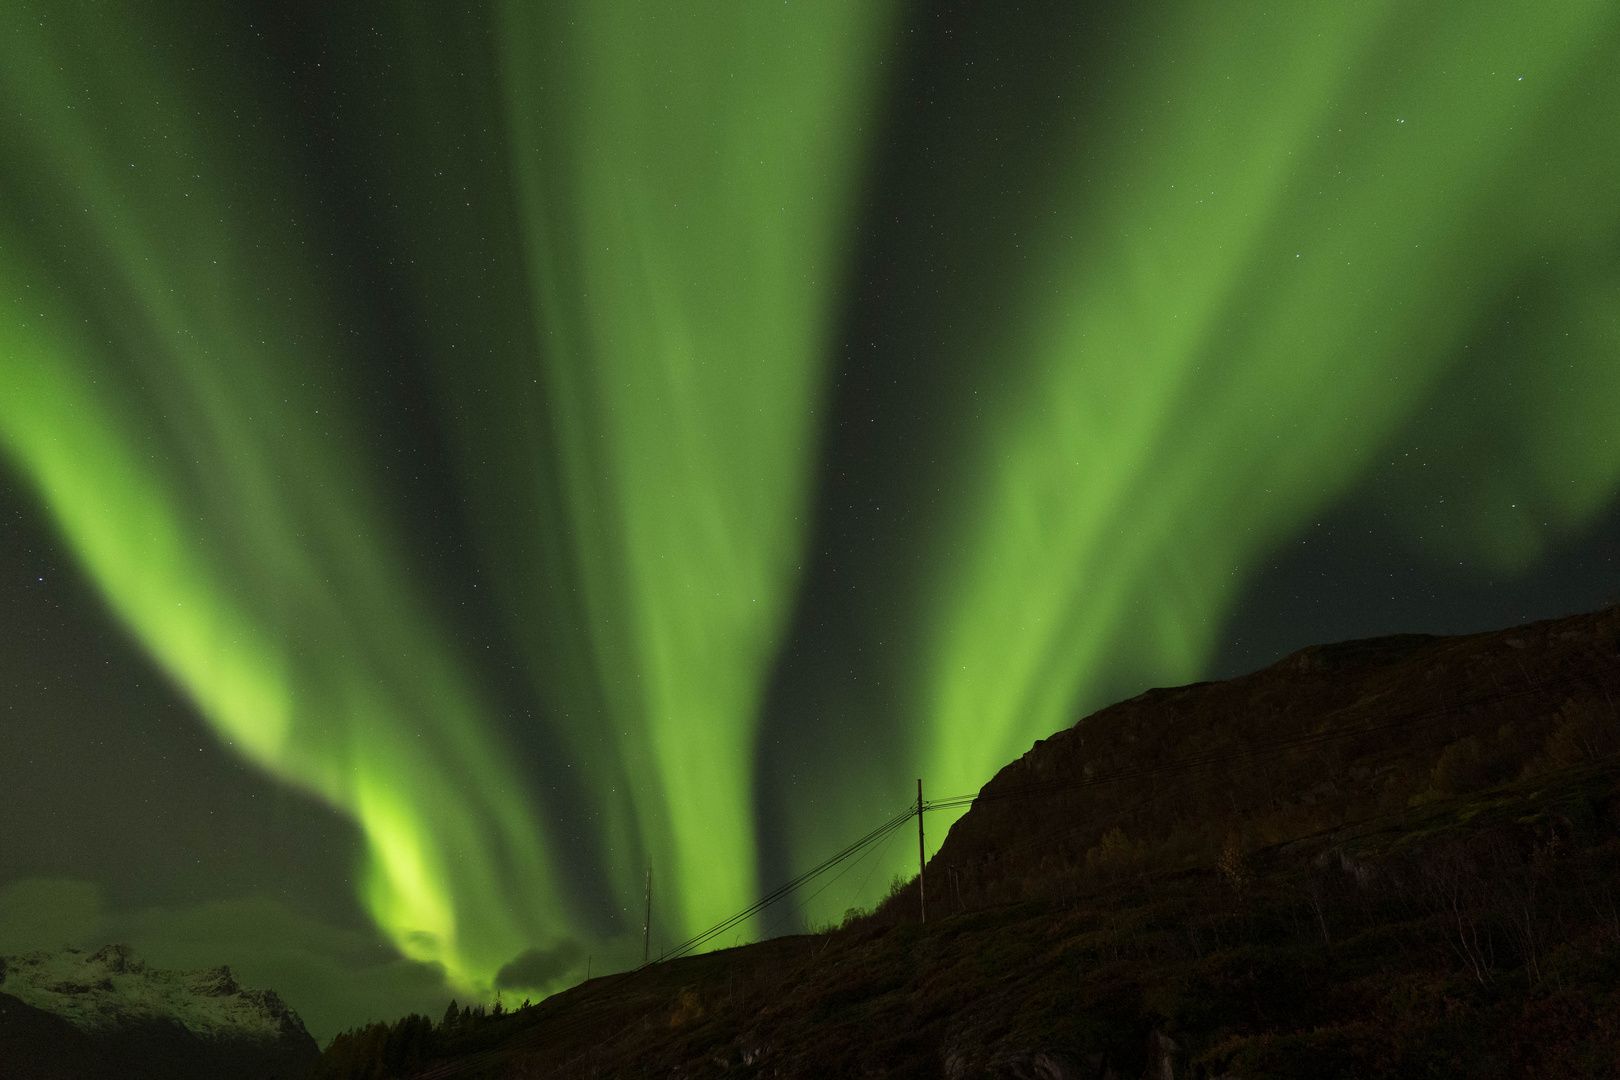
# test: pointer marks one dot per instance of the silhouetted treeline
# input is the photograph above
(388, 1051)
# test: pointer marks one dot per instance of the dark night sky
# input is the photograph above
(1000, 192)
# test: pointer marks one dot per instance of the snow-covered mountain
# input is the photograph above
(106, 1013)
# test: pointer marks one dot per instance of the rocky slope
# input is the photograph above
(107, 1014)
(1387, 858)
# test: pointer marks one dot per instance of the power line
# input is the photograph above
(693, 943)
(832, 880)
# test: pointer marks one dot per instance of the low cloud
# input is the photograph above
(537, 969)
(45, 914)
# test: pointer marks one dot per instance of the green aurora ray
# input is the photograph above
(697, 362)
(1253, 269)
(187, 427)
(684, 195)
(1276, 265)
(1272, 252)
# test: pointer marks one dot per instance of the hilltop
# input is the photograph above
(1329, 735)
(1393, 857)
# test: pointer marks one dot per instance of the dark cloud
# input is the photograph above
(538, 968)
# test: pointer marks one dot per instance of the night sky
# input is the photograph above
(451, 463)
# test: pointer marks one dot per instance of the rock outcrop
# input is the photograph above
(89, 1015)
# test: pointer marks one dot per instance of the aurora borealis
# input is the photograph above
(562, 439)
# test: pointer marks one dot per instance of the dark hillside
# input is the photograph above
(1390, 858)
(1329, 735)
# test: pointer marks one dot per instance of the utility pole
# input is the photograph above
(646, 926)
(922, 862)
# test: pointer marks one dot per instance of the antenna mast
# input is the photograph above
(646, 925)
(922, 861)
